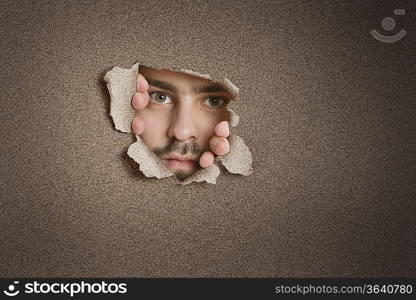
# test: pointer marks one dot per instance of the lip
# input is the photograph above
(180, 158)
(179, 162)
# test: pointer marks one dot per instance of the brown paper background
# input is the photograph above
(327, 111)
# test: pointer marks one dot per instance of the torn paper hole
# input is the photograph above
(121, 84)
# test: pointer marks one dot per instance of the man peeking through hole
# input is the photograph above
(182, 118)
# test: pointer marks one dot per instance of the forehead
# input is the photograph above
(172, 76)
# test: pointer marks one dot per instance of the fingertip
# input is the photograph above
(206, 159)
(137, 125)
(134, 100)
(220, 145)
(222, 129)
(146, 99)
(142, 84)
(226, 146)
(223, 146)
(140, 100)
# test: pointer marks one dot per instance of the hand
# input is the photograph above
(139, 101)
(219, 144)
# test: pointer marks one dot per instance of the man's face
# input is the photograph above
(181, 116)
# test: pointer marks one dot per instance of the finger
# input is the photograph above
(142, 85)
(140, 100)
(206, 159)
(137, 125)
(222, 129)
(219, 145)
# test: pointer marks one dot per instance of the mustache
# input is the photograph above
(181, 147)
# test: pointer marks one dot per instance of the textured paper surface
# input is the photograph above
(121, 84)
(333, 192)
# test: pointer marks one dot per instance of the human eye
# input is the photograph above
(160, 98)
(215, 102)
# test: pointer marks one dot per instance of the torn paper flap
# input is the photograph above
(121, 84)
(239, 159)
(233, 118)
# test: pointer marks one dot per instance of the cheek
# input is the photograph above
(156, 127)
(207, 123)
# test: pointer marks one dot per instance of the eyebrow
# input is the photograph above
(161, 84)
(213, 88)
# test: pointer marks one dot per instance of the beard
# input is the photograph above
(191, 149)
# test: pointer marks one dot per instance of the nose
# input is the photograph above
(183, 126)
